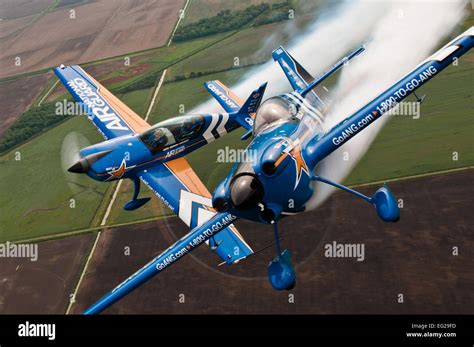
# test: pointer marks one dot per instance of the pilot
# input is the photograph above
(159, 139)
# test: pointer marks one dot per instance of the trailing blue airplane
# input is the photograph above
(154, 155)
(289, 139)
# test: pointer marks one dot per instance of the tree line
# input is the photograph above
(30, 123)
(227, 20)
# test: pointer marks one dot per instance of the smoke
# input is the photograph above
(317, 48)
(398, 35)
(406, 34)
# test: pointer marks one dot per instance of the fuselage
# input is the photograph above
(124, 156)
(283, 127)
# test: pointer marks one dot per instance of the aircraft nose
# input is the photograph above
(246, 191)
(84, 164)
(80, 167)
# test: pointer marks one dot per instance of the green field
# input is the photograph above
(153, 209)
(138, 100)
(36, 191)
(162, 57)
(246, 46)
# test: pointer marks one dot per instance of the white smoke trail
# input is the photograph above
(328, 39)
(397, 35)
(407, 33)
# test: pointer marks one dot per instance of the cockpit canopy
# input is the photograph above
(172, 131)
(272, 112)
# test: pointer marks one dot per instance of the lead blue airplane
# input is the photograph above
(288, 137)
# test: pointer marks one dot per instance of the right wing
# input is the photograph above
(110, 115)
(178, 186)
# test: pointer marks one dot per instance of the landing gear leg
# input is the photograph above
(277, 237)
(281, 273)
(384, 201)
(135, 203)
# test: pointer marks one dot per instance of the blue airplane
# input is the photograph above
(288, 141)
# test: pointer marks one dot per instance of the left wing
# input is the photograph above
(110, 115)
(178, 186)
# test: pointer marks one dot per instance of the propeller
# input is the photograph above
(72, 143)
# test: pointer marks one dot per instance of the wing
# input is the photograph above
(198, 235)
(178, 186)
(110, 115)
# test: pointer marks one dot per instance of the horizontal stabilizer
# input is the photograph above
(240, 112)
(298, 77)
(225, 97)
(332, 70)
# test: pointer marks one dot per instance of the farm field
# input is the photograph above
(17, 95)
(114, 74)
(105, 29)
(44, 286)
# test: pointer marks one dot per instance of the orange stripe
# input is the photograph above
(137, 123)
(181, 168)
(235, 98)
(280, 159)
